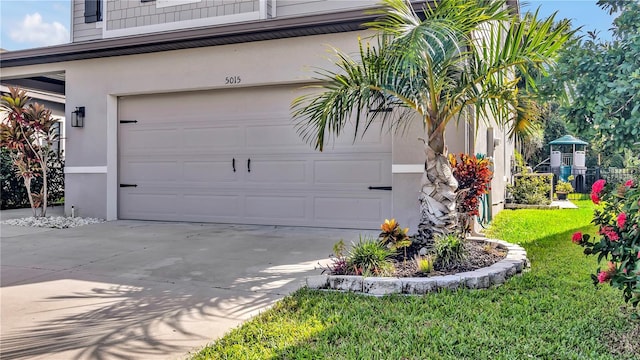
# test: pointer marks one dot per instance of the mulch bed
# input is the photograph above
(478, 255)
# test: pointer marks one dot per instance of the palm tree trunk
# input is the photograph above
(438, 194)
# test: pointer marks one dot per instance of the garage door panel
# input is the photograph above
(274, 136)
(151, 171)
(350, 208)
(212, 137)
(146, 138)
(275, 207)
(214, 171)
(211, 206)
(146, 205)
(278, 172)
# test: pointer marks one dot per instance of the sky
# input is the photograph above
(28, 24)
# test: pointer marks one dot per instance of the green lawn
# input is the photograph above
(551, 312)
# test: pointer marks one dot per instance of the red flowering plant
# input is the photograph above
(617, 216)
(474, 179)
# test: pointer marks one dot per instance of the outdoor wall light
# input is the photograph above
(77, 117)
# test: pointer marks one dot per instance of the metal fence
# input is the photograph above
(583, 179)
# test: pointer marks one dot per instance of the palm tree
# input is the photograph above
(457, 60)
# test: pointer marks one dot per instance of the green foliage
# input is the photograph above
(338, 265)
(531, 189)
(449, 250)
(619, 242)
(13, 192)
(370, 257)
(604, 77)
(553, 128)
(424, 263)
(564, 187)
(550, 312)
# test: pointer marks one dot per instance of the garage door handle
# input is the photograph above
(128, 185)
(233, 164)
(248, 165)
(380, 188)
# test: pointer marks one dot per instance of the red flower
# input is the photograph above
(638, 254)
(595, 198)
(622, 219)
(577, 237)
(598, 186)
(629, 183)
(603, 276)
(610, 233)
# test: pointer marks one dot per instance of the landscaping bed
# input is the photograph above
(498, 260)
(478, 254)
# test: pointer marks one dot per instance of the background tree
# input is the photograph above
(28, 133)
(460, 57)
(604, 80)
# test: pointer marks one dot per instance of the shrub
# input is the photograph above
(449, 250)
(338, 259)
(531, 189)
(564, 187)
(369, 256)
(394, 237)
(617, 216)
(424, 264)
(13, 192)
(474, 178)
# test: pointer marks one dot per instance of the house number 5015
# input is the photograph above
(230, 80)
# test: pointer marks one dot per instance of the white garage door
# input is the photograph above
(233, 156)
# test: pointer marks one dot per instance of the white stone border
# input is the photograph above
(514, 263)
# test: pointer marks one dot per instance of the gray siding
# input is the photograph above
(128, 14)
(81, 30)
(304, 7)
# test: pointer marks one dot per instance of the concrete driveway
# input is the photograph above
(144, 290)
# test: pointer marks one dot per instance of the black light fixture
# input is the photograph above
(77, 117)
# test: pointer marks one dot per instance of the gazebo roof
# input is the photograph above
(568, 140)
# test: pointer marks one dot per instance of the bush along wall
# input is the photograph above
(531, 189)
(14, 194)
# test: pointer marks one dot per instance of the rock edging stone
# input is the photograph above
(514, 263)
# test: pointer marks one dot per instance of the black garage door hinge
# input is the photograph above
(379, 187)
(128, 185)
(128, 121)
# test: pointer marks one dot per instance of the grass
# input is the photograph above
(551, 312)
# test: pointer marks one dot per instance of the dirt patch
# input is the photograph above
(479, 255)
